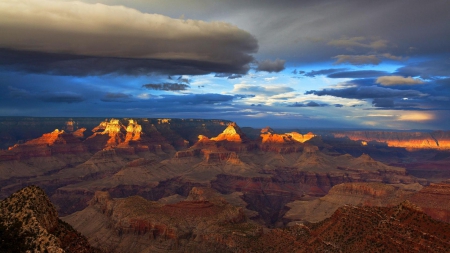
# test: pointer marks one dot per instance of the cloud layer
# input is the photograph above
(74, 33)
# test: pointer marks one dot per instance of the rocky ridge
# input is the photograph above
(401, 228)
(29, 221)
(204, 221)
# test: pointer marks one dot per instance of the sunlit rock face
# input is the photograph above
(232, 133)
(56, 142)
(411, 140)
(282, 143)
(133, 131)
(268, 135)
(300, 137)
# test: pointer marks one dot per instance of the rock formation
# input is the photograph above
(434, 200)
(357, 194)
(29, 222)
(204, 221)
(232, 133)
(401, 228)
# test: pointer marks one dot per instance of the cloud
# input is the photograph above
(62, 97)
(357, 74)
(359, 42)
(53, 97)
(383, 102)
(427, 69)
(271, 66)
(73, 33)
(117, 97)
(393, 57)
(416, 116)
(228, 75)
(261, 90)
(166, 86)
(309, 104)
(368, 92)
(314, 73)
(18, 93)
(197, 99)
(357, 59)
(443, 84)
(397, 80)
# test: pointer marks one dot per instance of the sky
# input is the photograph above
(292, 64)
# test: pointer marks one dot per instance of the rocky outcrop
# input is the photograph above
(358, 194)
(203, 221)
(402, 228)
(434, 200)
(29, 221)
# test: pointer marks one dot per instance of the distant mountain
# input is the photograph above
(410, 140)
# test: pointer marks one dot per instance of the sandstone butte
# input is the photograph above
(411, 140)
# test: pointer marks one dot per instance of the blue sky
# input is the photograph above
(306, 64)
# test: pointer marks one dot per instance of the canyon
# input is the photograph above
(121, 182)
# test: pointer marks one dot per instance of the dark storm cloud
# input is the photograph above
(53, 97)
(383, 102)
(62, 97)
(427, 69)
(400, 104)
(271, 66)
(358, 74)
(18, 92)
(367, 92)
(443, 84)
(117, 97)
(166, 86)
(76, 38)
(350, 43)
(312, 31)
(321, 72)
(73, 65)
